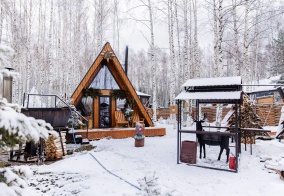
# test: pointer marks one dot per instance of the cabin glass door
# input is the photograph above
(104, 113)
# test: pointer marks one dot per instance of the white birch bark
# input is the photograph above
(29, 64)
(153, 62)
(1, 22)
(65, 46)
(100, 25)
(191, 59)
(195, 47)
(38, 43)
(185, 49)
(246, 66)
(14, 22)
(220, 38)
(215, 30)
(70, 51)
(237, 69)
(172, 51)
(59, 52)
(51, 69)
(179, 65)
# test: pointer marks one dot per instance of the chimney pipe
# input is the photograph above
(126, 60)
(7, 86)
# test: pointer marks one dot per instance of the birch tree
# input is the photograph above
(195, 46)
(237, 69)
(185, 47)
(1, 21)
(172, 51)
(246, 65)
(215, 30)
(179, 65)
(50, 53)
(153, 62)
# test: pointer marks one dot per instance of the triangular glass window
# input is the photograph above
(104, 80)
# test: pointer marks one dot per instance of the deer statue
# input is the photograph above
(213, 140)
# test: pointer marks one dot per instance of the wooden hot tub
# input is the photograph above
(57, 117)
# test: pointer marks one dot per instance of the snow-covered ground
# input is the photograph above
(91, 173)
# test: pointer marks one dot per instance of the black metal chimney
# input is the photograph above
(126, 60)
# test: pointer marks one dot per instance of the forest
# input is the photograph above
(52, 43)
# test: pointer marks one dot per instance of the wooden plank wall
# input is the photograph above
(268, 113)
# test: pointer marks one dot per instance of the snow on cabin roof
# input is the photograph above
(142, 94)
(266, 81)
(234, 95)
(220, 81)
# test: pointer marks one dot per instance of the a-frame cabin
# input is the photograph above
(105, 105)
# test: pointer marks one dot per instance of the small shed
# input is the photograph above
(222, 90)
(105, 77)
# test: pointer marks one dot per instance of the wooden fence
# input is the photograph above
(268, 113)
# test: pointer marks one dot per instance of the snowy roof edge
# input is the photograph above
(233, 95)
(236, 80)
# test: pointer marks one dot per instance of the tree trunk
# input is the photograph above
(180, 78)
(237, 69)
(185, 49)
(196, 50)
(153, 62)
(51, 71)
(246, 66)
(215, 29)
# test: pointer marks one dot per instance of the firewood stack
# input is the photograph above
(56, 146)
(247, 118)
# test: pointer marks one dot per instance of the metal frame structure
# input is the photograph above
(199, 89)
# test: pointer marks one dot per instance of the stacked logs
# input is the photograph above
(247, 118)
(56, 146)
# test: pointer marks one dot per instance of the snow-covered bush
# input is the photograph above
(13, 181)
(149, 186)
(17, 128)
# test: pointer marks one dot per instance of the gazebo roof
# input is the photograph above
(220, 81)
(212, 90)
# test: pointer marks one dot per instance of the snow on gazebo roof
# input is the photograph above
(220, 81)
(212, 90)
(234, 95)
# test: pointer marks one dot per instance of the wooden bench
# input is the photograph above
(136, 118)
(120, 119)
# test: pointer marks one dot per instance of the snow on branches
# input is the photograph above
(15, 127)
(13, 181)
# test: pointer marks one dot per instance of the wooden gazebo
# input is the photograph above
(108, 61)
(223, 90)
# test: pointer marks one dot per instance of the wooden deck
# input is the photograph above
(119, 133)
